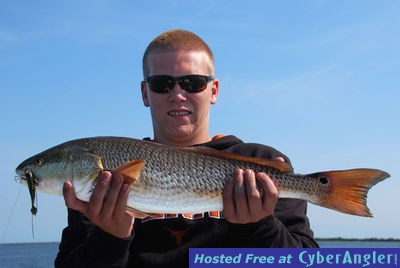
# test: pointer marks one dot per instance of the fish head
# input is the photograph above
(51, 168)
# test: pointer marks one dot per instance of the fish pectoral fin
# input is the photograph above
(130, 171)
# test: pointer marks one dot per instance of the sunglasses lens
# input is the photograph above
(193, 83)
(189, 83)
(161, 83)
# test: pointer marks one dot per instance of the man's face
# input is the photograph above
(180, 117)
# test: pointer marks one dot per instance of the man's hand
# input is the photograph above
(107, 205)
(243, 202)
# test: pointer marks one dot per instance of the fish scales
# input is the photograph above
(168, 172)
(166, 176)
(189, 180)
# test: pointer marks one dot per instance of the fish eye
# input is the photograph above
(39, 161)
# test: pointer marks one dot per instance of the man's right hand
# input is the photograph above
(107, 205)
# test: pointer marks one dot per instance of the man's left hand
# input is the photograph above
(242, 200)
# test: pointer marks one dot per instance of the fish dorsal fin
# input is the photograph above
(282, 166)
(131, 170)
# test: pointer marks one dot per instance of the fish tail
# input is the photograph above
(349, 189)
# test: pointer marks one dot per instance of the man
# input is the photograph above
(179, 87)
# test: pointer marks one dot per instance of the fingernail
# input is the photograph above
(105, 177)
(239, 171)
(248, 172)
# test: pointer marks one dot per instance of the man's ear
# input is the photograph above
(214, 92)
(145, 96)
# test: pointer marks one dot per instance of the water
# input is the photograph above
(41, 255)
(37, 255)
(359, 244)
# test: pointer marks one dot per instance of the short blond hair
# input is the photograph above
(177, 40)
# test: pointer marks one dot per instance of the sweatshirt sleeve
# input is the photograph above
(288, 227)
(85, 245)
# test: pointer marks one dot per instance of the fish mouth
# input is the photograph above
(24, 177)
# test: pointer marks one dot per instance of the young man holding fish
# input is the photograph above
(179, 87)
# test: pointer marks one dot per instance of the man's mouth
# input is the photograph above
(179, 113)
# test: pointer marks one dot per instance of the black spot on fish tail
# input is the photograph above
(323, 180)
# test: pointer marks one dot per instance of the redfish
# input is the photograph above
(165, 179)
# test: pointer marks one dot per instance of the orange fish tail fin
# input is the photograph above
(349, 189)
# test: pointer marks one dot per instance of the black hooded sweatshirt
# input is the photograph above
(164, 241)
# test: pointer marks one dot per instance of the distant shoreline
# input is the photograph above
(331, 239)
(359, 239)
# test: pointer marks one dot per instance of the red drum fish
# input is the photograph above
(165, 179)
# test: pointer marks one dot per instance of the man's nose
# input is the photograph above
(178, 92)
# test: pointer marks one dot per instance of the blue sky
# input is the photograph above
(318, 80)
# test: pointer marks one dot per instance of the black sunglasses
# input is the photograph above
(190, 83)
